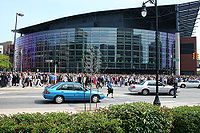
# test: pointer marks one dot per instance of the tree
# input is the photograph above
(5, 63)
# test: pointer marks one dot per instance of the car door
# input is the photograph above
(152, 87)
(78, 92)
(67, 90)
(162, 88)
(190, 84)
(196, 83)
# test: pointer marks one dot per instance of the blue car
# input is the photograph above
(70, 91)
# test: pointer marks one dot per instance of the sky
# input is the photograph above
(39, 11)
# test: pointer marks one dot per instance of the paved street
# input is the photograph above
(16, 99)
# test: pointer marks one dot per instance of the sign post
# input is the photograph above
(49, 61)
(175, 59)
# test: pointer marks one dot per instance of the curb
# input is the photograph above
(20, 88)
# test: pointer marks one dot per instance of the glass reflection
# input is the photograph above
(94, 50)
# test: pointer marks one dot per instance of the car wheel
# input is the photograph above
(59, 99)
(171, 92)
(95, 98)
(199, 86)
(145, 92)
(183, 86)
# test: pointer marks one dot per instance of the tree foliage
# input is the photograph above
(5, 62)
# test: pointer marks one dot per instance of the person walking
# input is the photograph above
(175, 86)
(110, 88)
(23, 78)
(116, 81)
(14, 79)
(30, 79)
(3, 80)
(10, 77)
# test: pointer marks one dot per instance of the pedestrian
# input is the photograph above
(121, 81)
(14, 78)
(95, 80)
(98, 83)
(110, 88)
(175, 86)
(116, 81)
(30, 79)
(3, 80)
(23, 78)
(17, 79)
(10, 79)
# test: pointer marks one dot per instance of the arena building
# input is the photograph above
(115, 41)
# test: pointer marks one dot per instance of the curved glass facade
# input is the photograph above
(113, 50)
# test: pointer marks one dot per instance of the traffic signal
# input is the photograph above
(193, 56)
(197, 56)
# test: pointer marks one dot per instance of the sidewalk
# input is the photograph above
(35, 110)
(19, 88)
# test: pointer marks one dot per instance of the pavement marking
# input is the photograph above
(168, 101)
(34, 110)
(20, 97)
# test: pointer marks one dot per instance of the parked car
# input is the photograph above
(149, 86)
(69, 91)
(190, 83)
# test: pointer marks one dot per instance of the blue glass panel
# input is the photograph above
(107, 48)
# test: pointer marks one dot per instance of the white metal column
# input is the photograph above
(177, 54)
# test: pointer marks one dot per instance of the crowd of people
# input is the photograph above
(31, 79)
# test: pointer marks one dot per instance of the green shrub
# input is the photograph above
(134, 117)
(93, 122)
(36, 122)
(7, 124)
(140, 117)
(186, 119)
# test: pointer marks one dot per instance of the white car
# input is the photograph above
(190, 83)
(149, 86)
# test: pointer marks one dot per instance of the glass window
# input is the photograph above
(152, 84)
(77, 87)
(66, 87)
(54, 85)
(120, 46)
(160, 84)
(187, 48)
(128, 47)
(111, 53)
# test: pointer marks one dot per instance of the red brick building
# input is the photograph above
(187, 48)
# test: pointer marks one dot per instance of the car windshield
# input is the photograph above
(52, 86)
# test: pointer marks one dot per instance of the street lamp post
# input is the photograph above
(144, 13)
(21, 15)
(21, 60)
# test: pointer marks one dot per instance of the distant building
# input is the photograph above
(116, 41)
(1, 49)
(8, 49)
(198, 65)
(188, 64)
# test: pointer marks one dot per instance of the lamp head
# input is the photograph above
(144, 10)
(20, 14)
